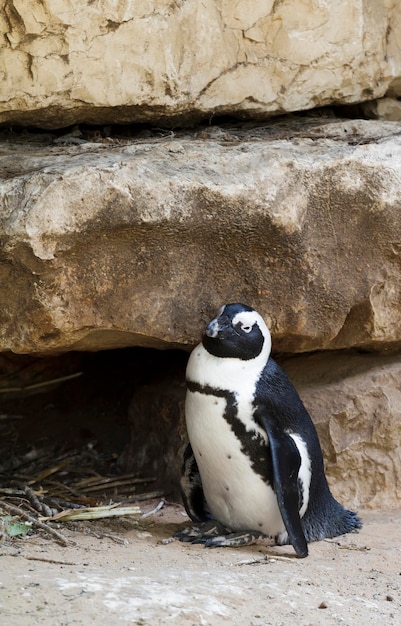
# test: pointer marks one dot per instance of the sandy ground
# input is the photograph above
(127, 572)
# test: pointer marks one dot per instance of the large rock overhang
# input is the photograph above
(138, 243)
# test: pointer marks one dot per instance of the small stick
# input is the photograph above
(14, 510)
(97, 484)
(115, 538)
(65, 504)
(145, 496)
(157, 508)
(353, 546)
(96, 512)
(53, 561)
(39, 506)
(61, 379)
(265, 560)
(48, 472)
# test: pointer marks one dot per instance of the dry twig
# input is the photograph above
(153, 511)
(45, 383)
(14, 510)
(94, 512)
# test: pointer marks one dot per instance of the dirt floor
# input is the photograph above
(131, 572)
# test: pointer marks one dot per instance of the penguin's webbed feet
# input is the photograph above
(233, 540)
(212, 534)
(202, 532)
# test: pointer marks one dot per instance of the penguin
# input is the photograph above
(253, 466)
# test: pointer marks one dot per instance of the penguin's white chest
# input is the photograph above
(236, 495)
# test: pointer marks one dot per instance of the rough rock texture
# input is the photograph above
(355, 402)
(139, 244)
(158, 435)
(383, 109)
(116, 62)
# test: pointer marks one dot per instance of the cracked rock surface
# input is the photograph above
(140, 61)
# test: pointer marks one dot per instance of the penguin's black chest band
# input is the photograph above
(253, 444)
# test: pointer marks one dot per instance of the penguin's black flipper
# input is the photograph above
(192, 490)
(286, 462)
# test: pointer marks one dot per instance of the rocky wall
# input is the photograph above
(169, 62)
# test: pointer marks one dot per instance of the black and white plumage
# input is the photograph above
(254, 463)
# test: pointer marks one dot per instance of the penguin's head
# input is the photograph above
(237, 332)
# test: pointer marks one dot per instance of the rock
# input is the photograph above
(383, 109)
(180, 61)
(355, 402)
(158, 433)
(141, 243)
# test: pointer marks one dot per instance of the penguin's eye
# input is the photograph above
(245, 328)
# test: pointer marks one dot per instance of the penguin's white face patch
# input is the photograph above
(247, 320)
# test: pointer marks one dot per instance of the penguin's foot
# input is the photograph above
(214, 535)
(233, 540)
(202, 532)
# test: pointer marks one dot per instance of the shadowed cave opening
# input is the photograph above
(70, 419)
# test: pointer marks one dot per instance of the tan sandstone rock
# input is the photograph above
(383, 109)
(140, 244)
(108, 62)
(355, 402)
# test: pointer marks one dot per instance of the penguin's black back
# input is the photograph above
(324, 517)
